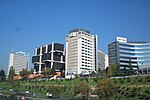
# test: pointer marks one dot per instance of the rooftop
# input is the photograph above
(79, 29)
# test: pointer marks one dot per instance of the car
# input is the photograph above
(1, 94)
(11, 90)
(23, 98)
(1, 89)
(27, 92)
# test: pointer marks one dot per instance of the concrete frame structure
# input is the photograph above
(51, 55)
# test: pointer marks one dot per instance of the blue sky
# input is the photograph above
(26, 24)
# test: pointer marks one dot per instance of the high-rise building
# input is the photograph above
(124, 53)
(81, 52)
(19, 60)
(51, 55)
(102, 60)
(106, 61)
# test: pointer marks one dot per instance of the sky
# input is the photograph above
(27, 24)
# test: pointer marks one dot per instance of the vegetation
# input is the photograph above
(105, 88)
(24, 73)
(11, 73)
(2, 75)
(82, 88)
(115, 89)
(46, 71)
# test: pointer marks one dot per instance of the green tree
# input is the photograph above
(82, 88)
(105, 88)
(2, 75)
(11, 73)
(46, 71)
(112, 70)
(52, 72)
(55, 90)
(131, 70)
(24, 73)
(12, 97)
(31, 71)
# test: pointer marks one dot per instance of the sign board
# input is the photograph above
(121, 39)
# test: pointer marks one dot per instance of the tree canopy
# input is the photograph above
(24, 73)
(11, 73)
(82, 88)
(112, 70)
(2, 75)
(105, 88)
(46, 71)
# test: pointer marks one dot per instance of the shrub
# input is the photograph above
(116, 96)
(128, 79)
(119, 98)
(123, 87)
(134, 90)
(95, 80)
(147, 91)
(122, 81)
(127, 89)
(133, 94)
(141, 97)
(139, 89)
(140, 79)
(147, 98)
(118, 87)
(119, 90)
(122, 92)
(12, 97)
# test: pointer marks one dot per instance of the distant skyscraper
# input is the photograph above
(19, 60)
(81, 51)
(51, 55)
(106, 61)
(123, 53)
(102, 60)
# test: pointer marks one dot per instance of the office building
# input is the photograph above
(125, 53)
(106, 61)
(19, 60)
(51, 55)
(102, 60)
(81, 52)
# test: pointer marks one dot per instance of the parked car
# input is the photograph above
(1, 94)
(27, 92)
(11, 90)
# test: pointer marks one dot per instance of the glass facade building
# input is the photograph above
(124, 53)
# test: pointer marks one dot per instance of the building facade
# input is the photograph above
(81, 51)
(106, 61)
(19, 60)
(51, 55)
(102, 60)
(124, 53)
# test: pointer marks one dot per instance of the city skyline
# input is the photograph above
(26, 24)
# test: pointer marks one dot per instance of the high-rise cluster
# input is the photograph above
(82, 55)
